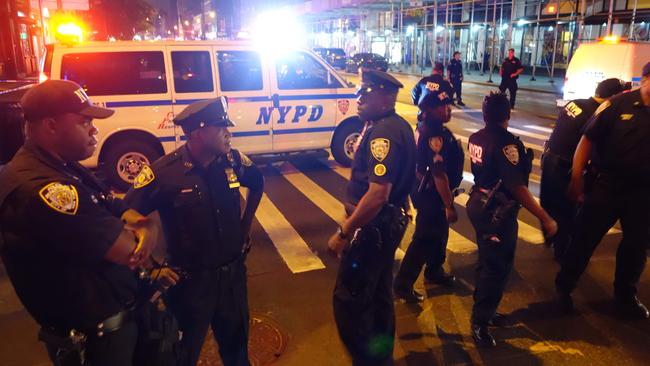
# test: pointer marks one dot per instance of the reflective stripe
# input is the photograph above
(146, 103)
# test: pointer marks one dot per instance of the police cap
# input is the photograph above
(434, 99)
(375, 79)
(213, 112)
(610, 87)
(55, 97)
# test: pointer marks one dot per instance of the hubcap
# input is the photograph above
(130, 164)
(350, 143)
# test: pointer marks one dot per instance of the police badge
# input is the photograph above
(60, 197)
(512, 154)
(435, 143)
(380, 148)
(145, 177)
(245, 160)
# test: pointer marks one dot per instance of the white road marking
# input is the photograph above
(539, 128)
(529, 134)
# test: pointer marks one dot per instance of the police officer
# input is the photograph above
(455, 76)
(196, 191)
(617, 138)
(558, 157)
(501, 165)
(382, 177)
(510, 70)
(431, 83)
(439, 170)
(67, 252)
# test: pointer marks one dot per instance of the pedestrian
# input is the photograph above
(617, 140)
(196, 191)
(510, 70)
(558, 157)
(381, 179)
(455, 76)
(431, 83)
(68, 246)
(501, 165)
(439, 170)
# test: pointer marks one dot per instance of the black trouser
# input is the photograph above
(363, 296)
(215, 298)
(496, 254)
(607, 202)
(556, 174)
(457, 85)
(511, 85)
(113, 348)
(428, 245)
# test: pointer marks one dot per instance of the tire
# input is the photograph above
(343, 142)
(123, 161)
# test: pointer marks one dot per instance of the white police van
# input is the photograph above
(287, 103)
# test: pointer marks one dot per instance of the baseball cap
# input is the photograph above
(213, 112)
(435, 98)
(610, 87)
(54, 97)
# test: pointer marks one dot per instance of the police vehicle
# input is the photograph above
(281, 103)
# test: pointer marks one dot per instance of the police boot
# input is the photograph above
(408, 295)
(460, 103)
(482, 337)
(441, 278)
(631, 307)
(498, 320)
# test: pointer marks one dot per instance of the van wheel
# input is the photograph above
(124, 161)
(345, 138)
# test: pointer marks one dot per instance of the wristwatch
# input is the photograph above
(341, 234)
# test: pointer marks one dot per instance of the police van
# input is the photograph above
(597, 61)
(281, 103)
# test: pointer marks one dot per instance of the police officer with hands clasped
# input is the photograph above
(70, 248)
(501, 165)
(439, 171)
(196, 191)
(558, 157)
(617, 140)
(381, 179)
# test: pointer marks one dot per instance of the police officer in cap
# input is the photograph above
(617, 138)
(501, 165)
(509, 71)
(196, 191)
(68, 246)
(432, 83)
(382, 177)
(455, 76)
(439, 170)
(558, 157)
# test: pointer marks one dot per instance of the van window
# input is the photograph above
(239, 70)
(299, 70)
(111, 73)
(192, 71)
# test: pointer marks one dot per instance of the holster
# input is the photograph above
(64, 349)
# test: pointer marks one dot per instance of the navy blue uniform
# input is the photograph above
(455, 70)
(509, 67)
(427, 85)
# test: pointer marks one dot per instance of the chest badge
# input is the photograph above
(435, 143)
(380, 148)
(145, 177)
(233, 182)
(245, 161)
(512, 154)
(60, 197)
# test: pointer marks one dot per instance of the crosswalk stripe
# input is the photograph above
(289, 244)
(539, 128)
(465, 140)
(529, 134)
(459, 244)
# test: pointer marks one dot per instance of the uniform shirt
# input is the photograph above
(56, 227)
(429, 84)
(199, 207)
(620, 130)
(497, 154)
(509, 67)
(455, 69)
(386, 154)
(569, 127)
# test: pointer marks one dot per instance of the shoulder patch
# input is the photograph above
(60, 197)
(245, 161)
(572, 110)
(435, 143)
(380, 148)
(512, 153)
(380, 170)
(145, 177)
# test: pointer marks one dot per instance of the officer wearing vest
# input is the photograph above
(558, 157)
(196, 191)
(510, 70)
(501, 165)
(68, 246)
(439, 170)
(382, 177)
(455, 76)
(617, 138)
(431, 83)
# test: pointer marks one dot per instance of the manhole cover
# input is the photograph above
(265, 344)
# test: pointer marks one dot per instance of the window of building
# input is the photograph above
(192, 71)
(239, 70)
(299, 70)
(116, 73)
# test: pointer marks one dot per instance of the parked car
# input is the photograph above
(367, 61)
(334, 56)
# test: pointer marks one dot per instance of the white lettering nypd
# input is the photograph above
(315, 113)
